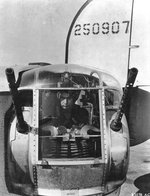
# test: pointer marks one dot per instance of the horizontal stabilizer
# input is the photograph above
(138, 111)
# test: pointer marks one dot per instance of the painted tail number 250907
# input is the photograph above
(104, 28)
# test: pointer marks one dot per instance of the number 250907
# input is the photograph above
(104, 28)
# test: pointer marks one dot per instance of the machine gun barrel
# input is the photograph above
(22, 125)
(116, 124)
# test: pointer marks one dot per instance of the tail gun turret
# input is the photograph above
(116, 124)
(22, 125)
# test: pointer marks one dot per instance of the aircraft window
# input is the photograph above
(112, 97)
(69, 125)
(66, 79)
(112, 101)
(109, 80)
(49, 78)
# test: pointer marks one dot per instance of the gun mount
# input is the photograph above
(116, 124)
(22, 125)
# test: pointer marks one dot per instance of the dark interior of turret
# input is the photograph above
(64, 136)
(26, 98)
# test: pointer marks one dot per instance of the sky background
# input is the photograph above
(36, 31)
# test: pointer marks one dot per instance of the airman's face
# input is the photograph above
(66, 101)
